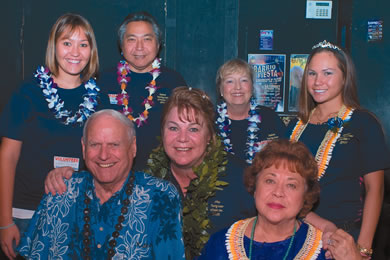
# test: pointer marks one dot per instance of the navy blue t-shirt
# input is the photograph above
(148, 133)
(361, 149)
(230, 204)
(233, 202)
(27, 118)
(271, 127)
(216, 247)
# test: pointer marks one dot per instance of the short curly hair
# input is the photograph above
(232, 66)
(188, 99)
(299, 159)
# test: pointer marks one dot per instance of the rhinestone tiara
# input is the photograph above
(326, 44)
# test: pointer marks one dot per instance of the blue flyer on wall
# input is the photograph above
(374, 30)
(268, 81)
(266, 40)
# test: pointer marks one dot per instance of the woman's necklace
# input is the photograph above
(321, 121)
(325, 150)
(123, 98)
(253, 233)
(87, 226)
(56, 104)
(254, 120)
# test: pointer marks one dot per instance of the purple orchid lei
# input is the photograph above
(56, 104)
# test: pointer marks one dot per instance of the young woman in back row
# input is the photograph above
(42, 124)
(347, 141)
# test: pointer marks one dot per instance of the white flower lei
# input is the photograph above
(55, 104)
(223, 122)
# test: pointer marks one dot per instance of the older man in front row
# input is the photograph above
(110, 212)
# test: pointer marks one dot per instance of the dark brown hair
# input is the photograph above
(349, 93)
(297, 158)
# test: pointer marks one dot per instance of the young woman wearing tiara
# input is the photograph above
(347, 141)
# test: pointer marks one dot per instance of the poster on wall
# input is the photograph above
(297, 66)
(268, 81)
(374, 30)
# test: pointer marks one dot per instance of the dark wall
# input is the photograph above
(27, 24)
(372, 59)
(293, 33)
(10, 66)
(199, 35)
(348, 26)
(206, 37)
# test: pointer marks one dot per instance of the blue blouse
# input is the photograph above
(216, 248)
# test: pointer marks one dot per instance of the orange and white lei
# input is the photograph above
(325, 150)
(123, 98)
(234, 242)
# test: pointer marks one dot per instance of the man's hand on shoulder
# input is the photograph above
(54, 182)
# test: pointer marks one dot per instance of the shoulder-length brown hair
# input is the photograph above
(297, 158)
(349, 93)
(69, 23)
(191, 99)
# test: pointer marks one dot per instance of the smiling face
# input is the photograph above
(140, 46)
(73, 53)
(236, 88)
(108, 151)
(185, 141)
(279, 194)
(325, 80)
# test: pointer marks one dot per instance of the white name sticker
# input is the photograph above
(60, 161)
(113, 100)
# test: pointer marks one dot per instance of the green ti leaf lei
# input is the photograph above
(196, 221)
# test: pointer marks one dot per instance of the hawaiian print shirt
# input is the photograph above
(151, 230)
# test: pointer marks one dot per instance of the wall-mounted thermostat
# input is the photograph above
(318, 9)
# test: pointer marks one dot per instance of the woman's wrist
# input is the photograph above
(7, 226)
(366, 253)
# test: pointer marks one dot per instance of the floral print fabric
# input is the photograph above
(151, 230)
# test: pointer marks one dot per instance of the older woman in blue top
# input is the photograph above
(283, 181)
(244, 126)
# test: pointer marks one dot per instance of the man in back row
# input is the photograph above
(110, 212)
(140, 85)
